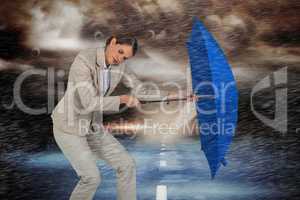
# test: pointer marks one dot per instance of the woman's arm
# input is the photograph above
(138, 88)
(81, 82)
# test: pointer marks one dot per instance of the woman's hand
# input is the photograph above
(174, 95)
(130, 101)
(192, 97)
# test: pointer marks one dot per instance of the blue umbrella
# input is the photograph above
(212, 75)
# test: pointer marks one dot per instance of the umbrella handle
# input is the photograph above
(167, 100)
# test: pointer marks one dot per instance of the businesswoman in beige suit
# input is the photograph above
(77, 119)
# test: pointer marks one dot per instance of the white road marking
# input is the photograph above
(161, 192)
(163, 163)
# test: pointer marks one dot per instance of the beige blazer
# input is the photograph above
(84, 102)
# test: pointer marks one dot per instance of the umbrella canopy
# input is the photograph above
(212, 75)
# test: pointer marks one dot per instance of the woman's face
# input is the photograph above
(117, 53)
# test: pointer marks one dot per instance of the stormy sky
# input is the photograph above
(256, 35)
(69, 24)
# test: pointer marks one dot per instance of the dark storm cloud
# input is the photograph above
(15, 24)
(278, 21)
(158, 23)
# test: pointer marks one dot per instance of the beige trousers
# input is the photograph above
(82, 153)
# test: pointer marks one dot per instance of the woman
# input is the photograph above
(77, 119)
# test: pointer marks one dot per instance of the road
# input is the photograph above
(173, 169)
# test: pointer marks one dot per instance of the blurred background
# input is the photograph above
(259, 37)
